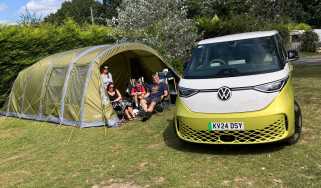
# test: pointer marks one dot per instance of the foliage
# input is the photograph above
(282, 29)
(213, 27)
(299, 26)
(29, 18)
(312, 9)
(78, 10)
(110, 7)
(160, 24)
(280, 11)
(223, 8)
(22, 46)
(310, 41)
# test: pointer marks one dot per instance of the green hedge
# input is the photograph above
(310, 41)
(21, 46)
(213, 27)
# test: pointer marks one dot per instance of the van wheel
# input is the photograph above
(298, 125)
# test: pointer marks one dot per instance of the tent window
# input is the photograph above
(76, 85)
(54, 89)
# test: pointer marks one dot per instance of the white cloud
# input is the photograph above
(42, 7)
(3, 7)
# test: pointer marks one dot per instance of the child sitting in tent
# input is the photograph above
(137, 91)
(122, 107)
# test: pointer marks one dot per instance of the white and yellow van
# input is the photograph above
(237, 89)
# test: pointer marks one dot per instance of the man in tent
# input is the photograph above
(156, 92)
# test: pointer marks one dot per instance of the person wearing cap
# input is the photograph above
(137, 92)
(106, 76)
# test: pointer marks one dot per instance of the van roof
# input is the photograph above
(240, 36)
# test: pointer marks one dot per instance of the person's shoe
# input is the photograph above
(147, 116)
(144, 115)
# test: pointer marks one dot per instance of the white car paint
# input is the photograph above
(241, 36)
(241, 101)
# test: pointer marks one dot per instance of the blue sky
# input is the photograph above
(10, 10)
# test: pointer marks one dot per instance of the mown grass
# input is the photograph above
(35, 154)
(309, 54)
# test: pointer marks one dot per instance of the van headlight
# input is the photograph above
(272, 86)
(186, 92)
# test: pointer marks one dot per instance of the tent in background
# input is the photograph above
(66, 88)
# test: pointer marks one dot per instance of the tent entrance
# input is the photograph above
(132, 64)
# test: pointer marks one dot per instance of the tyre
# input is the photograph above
(298, 125)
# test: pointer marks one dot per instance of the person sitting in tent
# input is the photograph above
(122, 107)
(137, 91)
(156, 92)
(106, 76)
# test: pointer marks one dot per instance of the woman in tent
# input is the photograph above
(119, 105)
(106, 76)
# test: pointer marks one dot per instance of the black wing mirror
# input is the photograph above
(293, 55)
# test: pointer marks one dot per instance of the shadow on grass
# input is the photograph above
(174, 142)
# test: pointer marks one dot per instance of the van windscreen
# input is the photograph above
(234, 58)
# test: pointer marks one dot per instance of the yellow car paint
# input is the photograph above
(273, 123)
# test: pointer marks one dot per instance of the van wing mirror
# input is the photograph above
(293, 55)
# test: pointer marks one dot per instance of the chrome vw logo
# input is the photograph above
(224, 93)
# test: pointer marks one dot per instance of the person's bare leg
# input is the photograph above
(130, 110)
(127, 114)
(136, 100)
(143, 103)
(139, 99)
(151, 107)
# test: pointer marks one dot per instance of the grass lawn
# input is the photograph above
(309, 54)
(35, 154)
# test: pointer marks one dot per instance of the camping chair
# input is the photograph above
(163, 104)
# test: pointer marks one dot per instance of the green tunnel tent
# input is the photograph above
(66, 88)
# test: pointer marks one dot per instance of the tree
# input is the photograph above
(29, 18)
(312, 9)
(310, 41)
(111, 8)
(225, 8)
(277, 11)
(161, 24)
(78, 10)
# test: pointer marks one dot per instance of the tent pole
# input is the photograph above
(84, 92)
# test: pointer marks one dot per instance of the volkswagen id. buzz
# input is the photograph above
(237, 89)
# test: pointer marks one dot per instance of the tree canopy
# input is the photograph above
(277, 11)
(79, 11)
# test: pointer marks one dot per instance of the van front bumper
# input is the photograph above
(274, 123)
